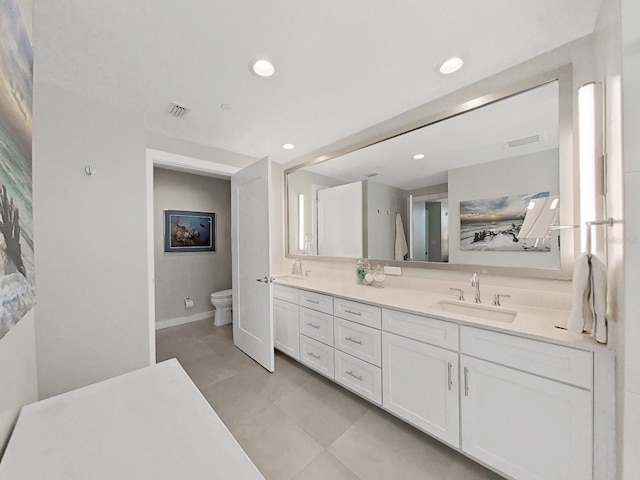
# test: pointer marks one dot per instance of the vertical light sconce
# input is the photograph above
(301, 222)
(591, 159)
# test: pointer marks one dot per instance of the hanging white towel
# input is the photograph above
(579, 301)
(598, 299)
(401, 248)
(589, 302)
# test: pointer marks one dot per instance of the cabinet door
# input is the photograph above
(420, 385)
(527, 426)
(286, 327)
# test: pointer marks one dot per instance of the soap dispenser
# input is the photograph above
(361, 270)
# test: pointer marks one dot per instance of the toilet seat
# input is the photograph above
(222, 294)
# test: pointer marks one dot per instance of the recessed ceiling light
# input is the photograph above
(288, 146)
(450, 66)
(418, 156)
(263, 67)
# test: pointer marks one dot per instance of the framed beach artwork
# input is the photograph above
(493, 224)
(17, 271)
(187, 231)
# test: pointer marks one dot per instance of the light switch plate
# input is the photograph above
(389, 270)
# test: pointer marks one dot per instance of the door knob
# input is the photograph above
(263, 280)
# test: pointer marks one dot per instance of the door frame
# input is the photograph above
(181, 163)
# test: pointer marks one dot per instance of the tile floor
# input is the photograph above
(295, 424)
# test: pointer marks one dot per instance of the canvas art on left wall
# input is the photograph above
(17, 271)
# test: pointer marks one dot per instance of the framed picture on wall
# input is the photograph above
(186, 231)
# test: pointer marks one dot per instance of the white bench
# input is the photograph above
(148, 424)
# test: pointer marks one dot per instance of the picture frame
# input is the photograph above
(189, 231)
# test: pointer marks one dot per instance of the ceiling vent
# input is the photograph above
(519, 142)
(177, 110)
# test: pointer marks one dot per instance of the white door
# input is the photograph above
(251, 262)
(528, 427)
(420, 385)
(340, 221)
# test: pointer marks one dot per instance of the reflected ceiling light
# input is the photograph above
(450, 66)
(288, 146)
(263, 68)
(418, 156)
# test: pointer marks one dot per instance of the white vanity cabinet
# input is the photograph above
(420, 381)
(524, 424)
(527, 408)
(285, 320)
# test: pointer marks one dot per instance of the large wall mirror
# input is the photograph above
(462, 191)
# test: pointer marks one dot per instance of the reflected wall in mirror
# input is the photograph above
(399, 199)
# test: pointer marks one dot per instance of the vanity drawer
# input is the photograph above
(361, 377)
(316, 355)
(316, 301)
(316, 325)
(424, 329)
(556, 362)
(358, 340)
(357, 312)
(287, 294)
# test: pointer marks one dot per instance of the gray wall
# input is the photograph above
(380, 228)
(197, 274)
(92, 319)
(532, 173)
(18, 375)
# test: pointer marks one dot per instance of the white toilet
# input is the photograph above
(223, 302)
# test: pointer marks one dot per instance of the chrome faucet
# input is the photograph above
(296, 269)
(475, 282)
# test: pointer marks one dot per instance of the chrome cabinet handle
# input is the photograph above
(312, 301)
(311, 354)
(349, 372)
(359, 342)
(449, 378)
(352, 312)
(313, 326)
(466, 382)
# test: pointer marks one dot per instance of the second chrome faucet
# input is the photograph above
(475, 282)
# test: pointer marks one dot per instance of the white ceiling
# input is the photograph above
(341, 66)
(475, 137)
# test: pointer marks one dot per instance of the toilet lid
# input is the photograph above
(222, 294)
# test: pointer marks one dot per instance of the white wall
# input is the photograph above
(197, 274)
(509, 176)
(18, 375)
(92, 318)
(630, 393)
(178, 146)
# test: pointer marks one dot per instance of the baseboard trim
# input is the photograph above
(174, 322)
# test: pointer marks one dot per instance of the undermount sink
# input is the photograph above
(479, 311)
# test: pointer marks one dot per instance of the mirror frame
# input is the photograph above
(567, 163)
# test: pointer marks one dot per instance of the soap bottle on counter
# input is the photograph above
(361, 270)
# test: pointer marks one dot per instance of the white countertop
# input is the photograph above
(532, 322)
(151, 424)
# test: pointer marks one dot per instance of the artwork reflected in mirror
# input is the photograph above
(494, 224)
(421, 190)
